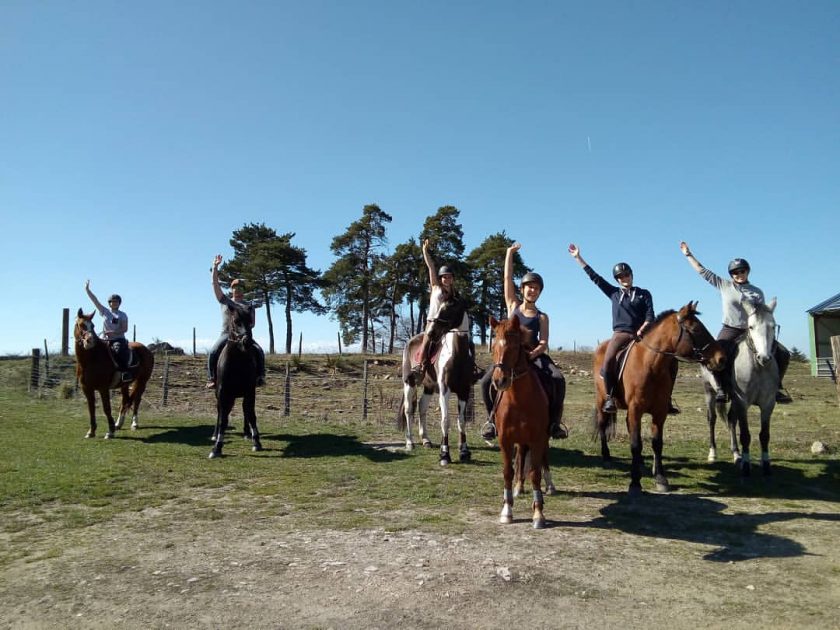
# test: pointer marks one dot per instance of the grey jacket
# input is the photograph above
(733, 297)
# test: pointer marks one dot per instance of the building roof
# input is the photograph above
(831, 304)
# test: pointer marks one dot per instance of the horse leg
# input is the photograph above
(90, 396)
(223, 409)
(732, 425)
(125, 402)
(445, 458)
(506, 515)
(764, 436)
(550, 488)
(746, 438)
(105, 394)
(409, 402)
(535, 473)
(656, 441)
(464, 454)
(137, 389)
(250, 419)
(423, 412)
(634, 430)
(601, 422)
(711, 418)
(521, 461)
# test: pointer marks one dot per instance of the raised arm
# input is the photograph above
(690, 257)
(217, 289)
(575, 253)
(510, 289)
(430, 265)
(93, 299)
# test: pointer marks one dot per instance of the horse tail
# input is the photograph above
(603, 423)
(400, 419)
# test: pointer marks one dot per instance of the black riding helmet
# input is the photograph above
(620, 269)
(445, 269)
(534, 277)
(738, 263)
(116, 297)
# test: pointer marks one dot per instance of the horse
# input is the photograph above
(97, 371)
(452, 372)
(521, 414)
(754, 381)
(646, 382)
(236, 377)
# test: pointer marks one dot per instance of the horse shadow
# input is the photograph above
(334, 445)
(193, 435)
(701, 520)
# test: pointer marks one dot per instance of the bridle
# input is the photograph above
(696, 350)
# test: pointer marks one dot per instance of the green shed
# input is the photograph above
(823, 324)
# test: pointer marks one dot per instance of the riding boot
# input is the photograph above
(488, 431)
(609, 387)
(555, 428)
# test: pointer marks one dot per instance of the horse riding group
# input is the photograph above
(523, 390)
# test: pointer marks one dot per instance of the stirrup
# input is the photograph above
(558, 431)
(609, 406)
(782, 397)
(210, 385)
(673, 410)
(488, 431)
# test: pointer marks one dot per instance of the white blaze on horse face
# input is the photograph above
(762, 331)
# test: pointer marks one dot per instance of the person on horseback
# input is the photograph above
(114, 327)
(733, 294)
(632, 313)
(236, 301)
(442, 283)
(530, 288)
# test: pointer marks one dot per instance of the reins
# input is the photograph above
(697, 353)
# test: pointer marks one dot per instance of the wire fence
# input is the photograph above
(293, 388)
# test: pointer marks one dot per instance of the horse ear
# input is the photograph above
(92, 313)
(80, 313)
(515, 320)
(772, 305)
(493, 321)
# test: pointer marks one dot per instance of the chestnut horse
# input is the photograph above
(97, 371)
(521, 413)
(755, 381)
(236, 377)
(647, 380)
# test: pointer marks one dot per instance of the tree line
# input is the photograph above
(371, 291)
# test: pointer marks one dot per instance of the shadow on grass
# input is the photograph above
(192, 435)
(333, 445)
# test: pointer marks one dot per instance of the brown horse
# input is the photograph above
(97, 372)
(647, 380)
(521, 413)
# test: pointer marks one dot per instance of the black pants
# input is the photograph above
(119, 347)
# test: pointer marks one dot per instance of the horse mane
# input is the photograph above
(663, 315)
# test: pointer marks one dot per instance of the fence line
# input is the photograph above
(177, 386)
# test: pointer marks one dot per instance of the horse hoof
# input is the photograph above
(445, 461)
(712, 455)
(505, 519)
(109, 435)
(551, 491)
(765, 468)
(465, 456)
(517, 492)
(214, 455)
(746, 469)
(409, 446)
(257, 447)
(663, 487)
(134, 426)
(634, 491)
(539, 523)
(428, 444)
(90, 434)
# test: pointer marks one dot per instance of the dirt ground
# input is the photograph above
(160, 568)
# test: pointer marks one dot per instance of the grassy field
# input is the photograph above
(333, 472)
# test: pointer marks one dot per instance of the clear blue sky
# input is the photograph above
(136, 137)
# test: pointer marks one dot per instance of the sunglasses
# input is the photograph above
(623, 275)
(738, 271)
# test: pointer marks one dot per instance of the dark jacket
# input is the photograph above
(629, 309)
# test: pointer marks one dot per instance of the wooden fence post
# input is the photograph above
(65, 332)
(835, 352)
(365, 400)
(165, 379)
(287, 392)
(46, 362)
(35, 371)
(193, 340)
(338, 334)
(300, 344)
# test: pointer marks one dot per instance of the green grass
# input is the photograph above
(334, 475)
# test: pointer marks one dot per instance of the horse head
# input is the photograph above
(510, 358)
(761, 329)
(83, 331)
(451, 316)
(239, 327)
(695, 341)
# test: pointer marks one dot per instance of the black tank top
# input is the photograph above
(531, 323)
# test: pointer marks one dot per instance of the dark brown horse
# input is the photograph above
(521, 413)
(236, 377)
(97, 372)
(647, 380)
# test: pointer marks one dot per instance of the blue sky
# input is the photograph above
(136, 137)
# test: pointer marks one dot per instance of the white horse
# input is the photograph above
(451, 373)
(755, 381)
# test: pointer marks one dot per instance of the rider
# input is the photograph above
(237, 289)
(733, 293)
(443, 289)
(632, 313)
(114, 327)
(530, 287)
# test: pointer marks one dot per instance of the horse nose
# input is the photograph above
(762, 359)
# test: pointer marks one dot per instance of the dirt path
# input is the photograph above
(162, 568)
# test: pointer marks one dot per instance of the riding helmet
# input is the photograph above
(620, 269)
(116, 297)
(738, 263)
(445, 269)
(534, 277)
